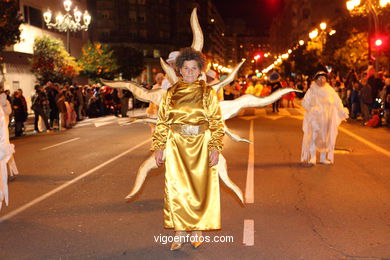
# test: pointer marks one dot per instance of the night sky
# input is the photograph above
(257, 13)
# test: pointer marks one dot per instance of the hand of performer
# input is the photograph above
(158, 156)
(213, 158)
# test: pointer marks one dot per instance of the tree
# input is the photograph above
(10, 20)
(97, 61)
(306, 62)
(51, 62)
(130, 61)
(354, 53)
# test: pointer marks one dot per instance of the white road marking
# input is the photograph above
(249, 232)
(55, 145)
(364, 141)
(103, 124)
(68, 183)
(249, 189)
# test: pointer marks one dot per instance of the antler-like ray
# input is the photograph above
(228, 79)
(153, 95)
(223, 175)
(150, 164)
(197, 41)
(235, 137)
(171, 74)
(230, 108)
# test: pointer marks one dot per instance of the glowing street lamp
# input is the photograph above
(368, 6)
(332, 32)
(378, 42)
(383, 3)
(323, 26)
(68, 22)
(352, 4)
(301, 42)
(313, 34)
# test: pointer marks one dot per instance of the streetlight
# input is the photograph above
(383, 3)
(68, 22)
(301, 42)
(313, 34)
(378, 42)
(323, 26)
(354, 7)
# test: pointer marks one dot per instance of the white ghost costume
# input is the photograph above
(324, 112)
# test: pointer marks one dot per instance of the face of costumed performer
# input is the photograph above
(321, 79)
(190, 71)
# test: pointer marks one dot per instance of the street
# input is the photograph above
(68, 200)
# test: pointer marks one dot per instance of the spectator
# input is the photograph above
(386, 101)
(275, 85)
(39, 106)
(24, 105)
(61, 107)
(366, 99)
(355, 100)
(20, 115)
(51, 91)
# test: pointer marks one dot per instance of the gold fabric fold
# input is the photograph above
(192, 200)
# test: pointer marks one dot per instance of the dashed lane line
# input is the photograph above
(55, 145)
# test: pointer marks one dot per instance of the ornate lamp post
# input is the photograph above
(355, 7)
(68, 22)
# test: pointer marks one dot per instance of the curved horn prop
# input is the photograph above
(197, 41)
(223, 175)
(228, 79)
(169, 71)
(235, 137)
(148, 165)
(230, 108)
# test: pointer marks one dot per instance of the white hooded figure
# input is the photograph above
(6, 152)
(324, 112)
(6, 106)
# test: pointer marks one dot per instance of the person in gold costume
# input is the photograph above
(190, 132)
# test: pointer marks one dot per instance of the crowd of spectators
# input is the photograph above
(367, 96)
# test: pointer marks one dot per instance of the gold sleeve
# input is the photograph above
(215, 122)
(159, 138)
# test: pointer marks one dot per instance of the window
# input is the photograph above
(141, 17)
(33, 16)
(133, 33)
(133, 16)
(145, 53)
(104, 15)
(143, 33)
(105, 35)
(156, 53)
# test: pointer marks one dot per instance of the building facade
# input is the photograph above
(299, 17)
(244, 43)
(156, 27)
(17, 69)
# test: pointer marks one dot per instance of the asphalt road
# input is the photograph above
(68, 201)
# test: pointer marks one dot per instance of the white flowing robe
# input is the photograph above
(6, 151)
(324, 112)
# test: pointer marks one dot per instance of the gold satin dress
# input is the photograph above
(192, 200)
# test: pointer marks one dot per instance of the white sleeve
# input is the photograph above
(166, 84)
